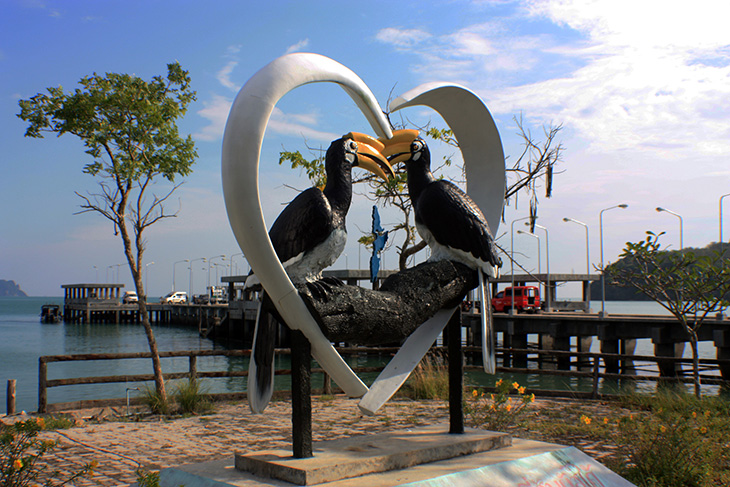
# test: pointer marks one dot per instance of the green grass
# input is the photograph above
(430, 379)
(667, 439)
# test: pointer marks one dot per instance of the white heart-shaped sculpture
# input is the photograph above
(462, 110)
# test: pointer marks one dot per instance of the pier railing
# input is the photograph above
(586, 364)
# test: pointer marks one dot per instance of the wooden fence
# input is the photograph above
(587, 365)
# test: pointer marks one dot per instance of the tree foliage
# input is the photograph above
(689, 286)
(128, 126)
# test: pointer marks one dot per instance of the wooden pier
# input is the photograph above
(557, 330)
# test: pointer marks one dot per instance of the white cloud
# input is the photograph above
(646, 76)
(299, 46)
(402, 38)
(224, 75)
(216, 112)
(298, 124)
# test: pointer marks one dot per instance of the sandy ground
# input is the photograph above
(120, 445)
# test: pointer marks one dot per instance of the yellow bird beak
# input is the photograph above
(398, 148)
(370, 156)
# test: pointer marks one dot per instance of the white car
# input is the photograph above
(130, 297)
(175, 297)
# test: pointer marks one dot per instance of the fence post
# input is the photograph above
(596, 368)
(193, 367)
(327, 384)
(42, 392)
(11, 397)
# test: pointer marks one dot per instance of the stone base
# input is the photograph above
(362, 455)
(518, 462)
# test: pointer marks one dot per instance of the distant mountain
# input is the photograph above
(619, 293)
(9, 288)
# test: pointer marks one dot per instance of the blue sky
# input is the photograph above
(642, 90)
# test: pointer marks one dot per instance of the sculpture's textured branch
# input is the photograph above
(404, 301)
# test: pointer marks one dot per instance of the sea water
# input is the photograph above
(23, 339)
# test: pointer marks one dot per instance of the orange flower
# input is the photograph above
(17, 464)
(498, 383)
(532, 397)
(663, 429)
(41, 422)
(516, 385)
(474, 393)
(521, 390)
(707, 414)
(508, 407)
(605, 420)
(694, 414)
(585, 419)
(703, 430)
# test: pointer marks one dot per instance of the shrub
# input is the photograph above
(429, 380)
(191, 398)
(154, 401)
(21, 452)
(498, 410)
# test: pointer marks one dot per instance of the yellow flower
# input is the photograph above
(516, 385)
(17, 464)
(492, 396)
(532, 397)
(474, 393)
(521, 390)
(498, 383)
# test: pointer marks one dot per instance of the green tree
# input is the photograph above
(535, 165)
(689, 286)
(128, 126)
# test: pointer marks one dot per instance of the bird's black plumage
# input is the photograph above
(308, 236)
(446, 217)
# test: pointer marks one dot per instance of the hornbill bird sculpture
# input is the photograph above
(450, 222)
(308, 236)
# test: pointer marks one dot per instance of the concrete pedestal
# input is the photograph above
(422, 457)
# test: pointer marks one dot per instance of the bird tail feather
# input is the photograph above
(488, 355)
(261, 364)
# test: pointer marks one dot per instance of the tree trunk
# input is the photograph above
(151, 341)
(695, 362)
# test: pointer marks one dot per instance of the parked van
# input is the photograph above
(527, 298)
(175, 297)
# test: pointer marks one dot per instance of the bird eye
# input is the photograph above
(416, 146)
(351, 146)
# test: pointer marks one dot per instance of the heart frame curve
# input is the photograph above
(461, 109)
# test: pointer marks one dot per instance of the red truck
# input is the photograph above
(527, 298)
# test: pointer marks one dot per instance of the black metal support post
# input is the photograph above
(456, 374)
(301, 388)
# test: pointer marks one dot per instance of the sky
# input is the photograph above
(641, 90)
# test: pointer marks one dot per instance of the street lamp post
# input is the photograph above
(173, 272)
(721, 198)
(681, 231)
(146, 275)
(511, 263)
(222, 257)
(588, 258)
(191, 275)
(230, 263)
(603, 274)
(548, 290)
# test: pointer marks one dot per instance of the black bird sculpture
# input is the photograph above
(308, 236)
(451, 223)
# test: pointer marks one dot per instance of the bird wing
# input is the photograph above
(456, 221)
(304, 223)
